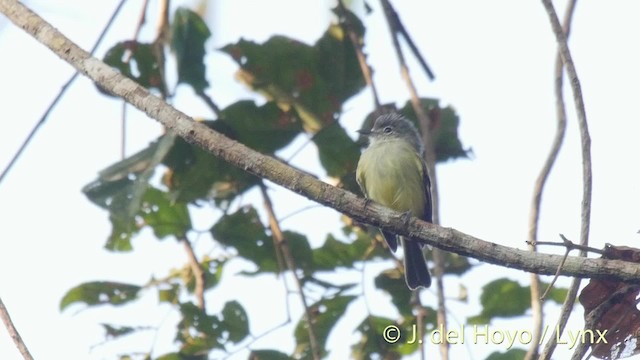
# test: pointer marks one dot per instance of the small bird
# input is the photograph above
(392, 172)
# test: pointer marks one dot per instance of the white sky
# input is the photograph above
(493, 62)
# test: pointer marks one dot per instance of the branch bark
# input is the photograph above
(306, 185)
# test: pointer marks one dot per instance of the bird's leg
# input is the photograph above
(367, 201)
(406, 217)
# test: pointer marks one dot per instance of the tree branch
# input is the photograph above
(282, 243)
(13, 332)
(301, 183)
(534, 216)
(564, 58)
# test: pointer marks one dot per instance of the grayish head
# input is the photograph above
(394, 126)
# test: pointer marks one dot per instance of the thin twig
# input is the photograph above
(142, 19)
(425, 123)
(534, 217)
(290, 261)
(13, 332)
(401, 30)
(570, 245)
(258, 337)
(357, 46)
(564, 60)
(62, 91)
(209, 101)
(198, 273)
(546, 291)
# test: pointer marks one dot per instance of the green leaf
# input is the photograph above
(335, 253)
(100, 293)
(301, 250)
(136, 61)
(315, 80)
(117, 331)
(165, 216)
(198, 332)
(196, 174)
(392, 282)
(327, 313)
(123, 189)
(444, 128)
(338, 153)
(170, 295)
(268, 355)
(507, 298)
(556, 294)
(511, 354)
(502, 298)
(263, 128)
(453, 263)
(180, 356)
(189, 33)
(337, 63)
(236, 321)
(244, 231)
(373, 345)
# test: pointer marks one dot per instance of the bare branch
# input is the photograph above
(534, 216)
(426, 123)
(198, 274)
(13, 332)
(565, 55)
(357, 45)
(276, 232)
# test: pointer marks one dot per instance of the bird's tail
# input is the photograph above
(415, 267)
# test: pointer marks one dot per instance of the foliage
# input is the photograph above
(306, 87)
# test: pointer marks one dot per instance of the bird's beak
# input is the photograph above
(363, 132)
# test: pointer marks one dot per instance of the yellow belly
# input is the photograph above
(392, 175)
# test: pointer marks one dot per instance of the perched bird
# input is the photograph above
(392, 172)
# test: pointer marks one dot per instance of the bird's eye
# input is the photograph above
(387, 130)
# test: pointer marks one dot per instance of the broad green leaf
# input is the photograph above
(444, 129)
(163, 215)
(338, 153)
(198, 331)
(113, 331)
(511, 354)
(326, 312)
(196, 174)
(301, 250)
(519, 300)
(372, 343)
(100, 293)
(124, 190)
(392, 282)
(236, 321)
(314, 80)
(453, 263)
(181, 356)
(263, 128)
(170, 295)
(189, 33)
(337, 63)
(244, 231)
(335, 253)
(268, 355)
(136, 61)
